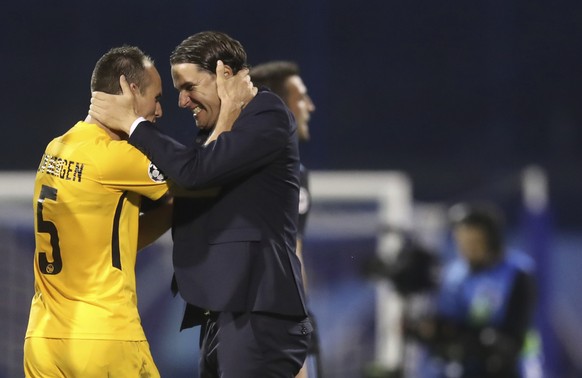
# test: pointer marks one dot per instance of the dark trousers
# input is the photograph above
(253, 345)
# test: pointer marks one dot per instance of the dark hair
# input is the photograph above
(125, 60)
(484, 217)
(206, 48)
(273, 76)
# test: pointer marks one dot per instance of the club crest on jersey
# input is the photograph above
(155, 174)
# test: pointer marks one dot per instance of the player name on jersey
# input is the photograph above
(62, 168)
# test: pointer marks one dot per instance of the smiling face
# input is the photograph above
(197, 93)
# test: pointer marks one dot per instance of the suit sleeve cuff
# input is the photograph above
(135, 123)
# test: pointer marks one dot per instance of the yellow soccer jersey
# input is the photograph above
(86, 205)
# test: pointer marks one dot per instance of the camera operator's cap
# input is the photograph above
(478, 212)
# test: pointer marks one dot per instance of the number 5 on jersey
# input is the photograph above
(48, 227)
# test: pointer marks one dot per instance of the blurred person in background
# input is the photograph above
(284, 79)
(482, 325)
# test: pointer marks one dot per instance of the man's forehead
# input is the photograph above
(296, 82)
(189, 72)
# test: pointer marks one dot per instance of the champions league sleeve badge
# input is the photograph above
(155, 174)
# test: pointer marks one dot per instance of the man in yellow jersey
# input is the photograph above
(84, 319)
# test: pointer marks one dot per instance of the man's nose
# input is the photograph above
(159, 111)
(183, 100)
(310, 104)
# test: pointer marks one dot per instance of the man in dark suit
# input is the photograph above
(234, 244)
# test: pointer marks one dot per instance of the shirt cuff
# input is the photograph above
(135, 123)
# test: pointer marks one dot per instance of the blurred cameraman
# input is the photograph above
(484, 303)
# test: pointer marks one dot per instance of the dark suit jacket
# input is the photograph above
(236, 251)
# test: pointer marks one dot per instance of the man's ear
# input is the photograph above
(227, 72)
(134, 88)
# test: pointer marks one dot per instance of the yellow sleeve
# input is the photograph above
(126, 168)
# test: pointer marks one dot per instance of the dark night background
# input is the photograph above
(461, 95)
